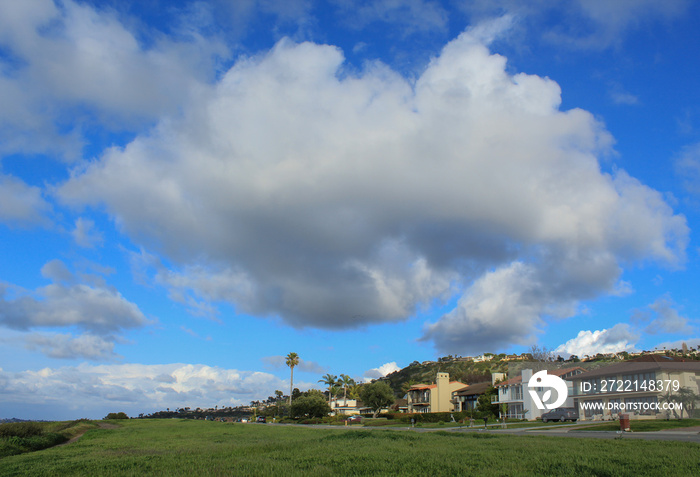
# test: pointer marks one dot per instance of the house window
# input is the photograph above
(594, 408)
(518, 393)
(515, 411)
(645, 406)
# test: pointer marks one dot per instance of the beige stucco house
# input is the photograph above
(433, 397)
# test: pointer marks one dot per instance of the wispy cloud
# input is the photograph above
(279, 362)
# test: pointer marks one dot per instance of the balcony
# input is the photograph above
(494, 400)
(417, 399)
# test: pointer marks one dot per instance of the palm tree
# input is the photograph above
(346, 381)
(292, 360)
(329, 380)
(354, 391)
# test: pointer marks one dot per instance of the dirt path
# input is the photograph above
(100, 425)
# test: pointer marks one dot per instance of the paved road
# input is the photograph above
(658, 435)
(554, 431)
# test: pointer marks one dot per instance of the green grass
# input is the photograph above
(189, 448)
(645, 425)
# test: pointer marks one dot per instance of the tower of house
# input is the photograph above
(443, 392)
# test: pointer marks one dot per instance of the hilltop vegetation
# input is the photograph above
(467, 372)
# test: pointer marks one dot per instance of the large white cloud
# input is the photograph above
(296, 189)
(93, 391)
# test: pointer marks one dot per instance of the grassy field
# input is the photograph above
(186, 447)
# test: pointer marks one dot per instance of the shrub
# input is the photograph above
(116, 415)
(312, 406)
(20, 429)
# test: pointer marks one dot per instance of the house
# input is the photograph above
(346, 407)
(349, 407)
(637, 387)
(466, 398)
(433, 397)
(513, 393)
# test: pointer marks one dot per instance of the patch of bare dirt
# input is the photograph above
(100, 425)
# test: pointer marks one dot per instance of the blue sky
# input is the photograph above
(191, 190)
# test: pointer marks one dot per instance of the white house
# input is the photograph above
(514, 393)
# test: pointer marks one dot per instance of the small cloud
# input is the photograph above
(22, 204)
(620, 96)
(687, 167)
(667, 320)
(57, 271)
(85, 234)
(622, 288)
(380, 372)
(618, 338)
(194, 334)
(96, 308)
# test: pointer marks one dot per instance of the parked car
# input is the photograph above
(354, 418)
(562, 414)
(262, 419)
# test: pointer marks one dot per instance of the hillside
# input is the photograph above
(467, 372)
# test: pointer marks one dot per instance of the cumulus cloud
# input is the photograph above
(21, 204)
(383, 370)
(67, 302)
(65, 57)
(294, 189)
(134, 388)
(618, 338)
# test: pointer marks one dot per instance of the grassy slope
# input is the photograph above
(175, 447)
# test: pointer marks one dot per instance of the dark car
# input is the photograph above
(355, 418)
(562, 414)
(262, 419)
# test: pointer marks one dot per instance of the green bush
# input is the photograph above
(311, 406)
(20, 429)
(117, 415)
(13, 445)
